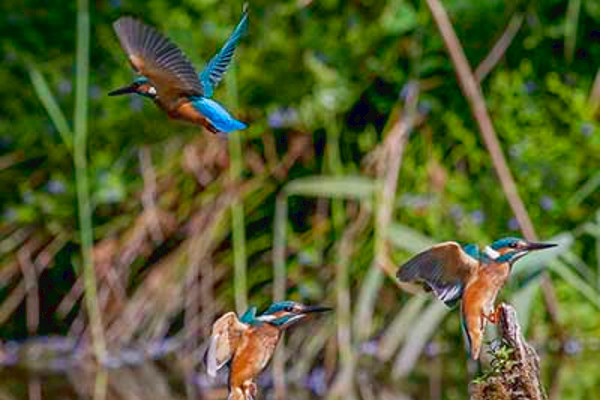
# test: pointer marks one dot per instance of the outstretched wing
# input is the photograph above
(157, 58)
(444, 268)
(214, 70)
(225, 337)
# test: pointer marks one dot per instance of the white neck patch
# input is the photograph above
(266, 318)
(491, 253)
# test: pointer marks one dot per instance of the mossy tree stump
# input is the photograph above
(515, 371)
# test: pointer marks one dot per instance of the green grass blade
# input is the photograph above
(588, 188)
(585, 289)
(81, 177)
(571, 23)
(422, 330)
(279, 283)
(408, 239)
(352, 187)
(240, 266)
(401, 326)
(42, 89)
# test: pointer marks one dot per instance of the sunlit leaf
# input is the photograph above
(350, 187)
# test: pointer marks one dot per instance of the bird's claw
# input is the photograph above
(251, 391)
(493, 317)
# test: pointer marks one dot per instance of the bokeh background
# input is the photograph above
(361, 150)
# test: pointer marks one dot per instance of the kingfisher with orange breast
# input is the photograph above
(466, 274)
(247, 344)
(169, 78)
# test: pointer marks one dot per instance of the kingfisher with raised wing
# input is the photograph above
(464, 273)
(169, 78)
(247, 344)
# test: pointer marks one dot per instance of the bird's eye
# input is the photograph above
(513, 245)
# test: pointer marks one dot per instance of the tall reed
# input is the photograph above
(81, 177)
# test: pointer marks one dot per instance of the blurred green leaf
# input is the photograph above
(351, 187)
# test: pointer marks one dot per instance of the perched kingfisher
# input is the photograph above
(168, 77)
(455, 273)
(247, 344)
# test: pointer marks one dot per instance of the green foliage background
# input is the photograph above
(338, 71)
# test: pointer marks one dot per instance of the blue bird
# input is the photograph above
(170, 80)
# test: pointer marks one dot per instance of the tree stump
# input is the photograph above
(515, 369)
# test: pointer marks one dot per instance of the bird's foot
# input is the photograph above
(494, 316)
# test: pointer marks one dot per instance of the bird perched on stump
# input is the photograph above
(466, 274)
(247, 344)
(170, 80)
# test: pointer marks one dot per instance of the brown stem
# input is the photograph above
(472, 91)
(494, 56)
(149, 193)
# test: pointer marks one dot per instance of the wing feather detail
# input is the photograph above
(218, 65)
(444, 269)
(154, 56)
(226, 335)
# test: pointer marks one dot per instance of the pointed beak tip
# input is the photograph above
(541, 246)
(317, 309)
(123, 90)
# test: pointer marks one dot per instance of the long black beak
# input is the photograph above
(315, 309)
(540, 246)
(124, 90)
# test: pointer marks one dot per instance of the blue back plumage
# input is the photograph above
(249, 316)
(472, 250)
(218, 116)
(214, 70)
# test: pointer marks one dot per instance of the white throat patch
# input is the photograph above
(491, 253)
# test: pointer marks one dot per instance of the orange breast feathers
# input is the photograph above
(253, 355)
(478, 299)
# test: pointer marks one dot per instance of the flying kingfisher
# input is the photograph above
(455, 273)
(168, 77)
(248, 344)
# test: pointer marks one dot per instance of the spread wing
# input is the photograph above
(444, 268)
(225, 337)
(154, 56)
(214, 70)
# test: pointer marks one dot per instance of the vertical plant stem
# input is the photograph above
(571, 22)
(598, 253)
(279, 283)
(594, 99)
(101, 385)
(239, 256)
(237, 208)
(335, 167)
(394, 150)
(81, 177)
(343, 386)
